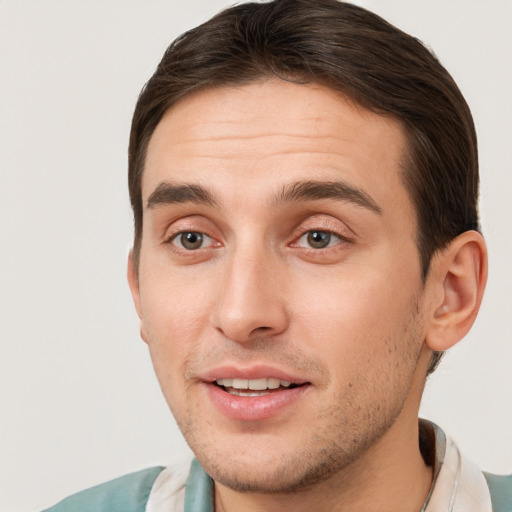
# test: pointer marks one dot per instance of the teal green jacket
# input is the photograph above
(501, 492)
(130, 493)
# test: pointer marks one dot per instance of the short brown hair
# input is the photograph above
(353, 51)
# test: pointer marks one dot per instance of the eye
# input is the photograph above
(318, 239)
(191, 240)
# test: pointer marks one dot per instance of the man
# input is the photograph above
(304, 183)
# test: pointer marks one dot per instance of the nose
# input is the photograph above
(251, 302)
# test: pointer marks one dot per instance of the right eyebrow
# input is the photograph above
(316, 190)
(167, 193)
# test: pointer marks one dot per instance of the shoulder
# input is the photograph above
(500, 487)
(128, 493)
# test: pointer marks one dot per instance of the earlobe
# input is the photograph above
(133, 282)
(457, 281)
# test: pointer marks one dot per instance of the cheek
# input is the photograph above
(370, 347)
(173, 298)
(357, 317)
(175, 313)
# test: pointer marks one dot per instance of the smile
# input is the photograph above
(253, 387)
(253, 399)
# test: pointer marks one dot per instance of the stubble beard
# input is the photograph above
(348, 430)
(324, 456)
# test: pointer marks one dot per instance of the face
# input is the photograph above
(279, 286)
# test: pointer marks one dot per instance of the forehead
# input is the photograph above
(264, 134)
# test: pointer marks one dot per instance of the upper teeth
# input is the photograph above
(255, 384)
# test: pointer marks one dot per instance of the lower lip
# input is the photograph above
(253, 408)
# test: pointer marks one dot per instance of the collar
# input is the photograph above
(458, 485)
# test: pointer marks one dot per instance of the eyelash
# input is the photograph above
(171, 240)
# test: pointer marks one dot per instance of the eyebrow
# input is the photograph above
(167, 194)
(315, 190)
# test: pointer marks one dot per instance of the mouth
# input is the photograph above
(256, 398)
(254, 387)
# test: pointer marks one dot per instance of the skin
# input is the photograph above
(352, 320)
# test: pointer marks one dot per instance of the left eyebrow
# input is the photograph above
(168, 193)
(315, 190)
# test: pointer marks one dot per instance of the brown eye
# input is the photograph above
(190, 240)
(318, 239)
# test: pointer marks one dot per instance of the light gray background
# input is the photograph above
(79, 403)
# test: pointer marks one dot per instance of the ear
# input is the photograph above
(456, 282)
(133, 282)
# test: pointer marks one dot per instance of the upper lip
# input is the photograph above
(232, 371)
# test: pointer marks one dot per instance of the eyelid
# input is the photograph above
(193, 223)
(325, 223)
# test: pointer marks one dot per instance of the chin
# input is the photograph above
(288, 474)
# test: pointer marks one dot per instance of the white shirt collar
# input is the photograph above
(458, 484)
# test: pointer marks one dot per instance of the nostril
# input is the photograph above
(261, 329)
